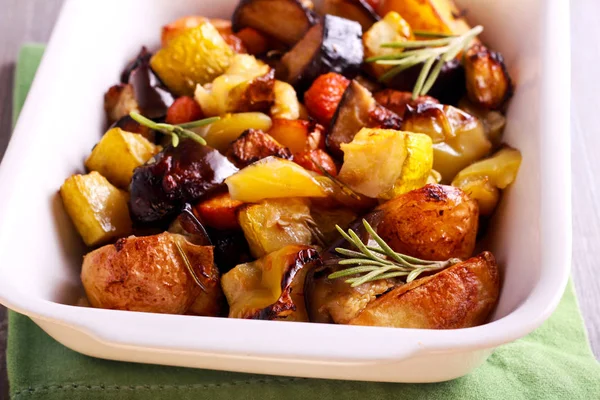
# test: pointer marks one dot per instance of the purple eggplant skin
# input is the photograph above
(336, 46)
(175, 176)
(356, 10)
(152, 96)
(449, 87)
(230, 249)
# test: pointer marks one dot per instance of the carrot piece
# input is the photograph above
(219, 212)
(184, 109)
(324, 95)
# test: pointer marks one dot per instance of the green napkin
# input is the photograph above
(554, 362)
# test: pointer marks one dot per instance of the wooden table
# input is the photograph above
(32, 21)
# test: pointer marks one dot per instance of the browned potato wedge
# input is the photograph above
(272, 287)
(119, 101)
(488, 82)
(149, 274)
(458, 297)
(435, 222)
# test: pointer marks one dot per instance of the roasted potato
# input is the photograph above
(383, 163)
(461, 296)
(459, 138)
(272, 287)
(118, 153)
(149, 274)
(119, 101)
(273, 177)
(254, 145)
(435, 222)
(196, 56)
(326, 220)
(97, 208)
(219, 212)
(316, 161)
(285, 102)
(488, 82)
(439, 16)
(247, 85)
(276, 223)
(483, 180)
(128, 124)
(221, 133)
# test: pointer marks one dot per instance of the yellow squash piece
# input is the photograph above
(384, 163)
(221, 133)
(196, 56)
(271, 287)
(484, 179)
(118, 153)
(275, 223)
(271, 178)
(392, 28)
(97, 208)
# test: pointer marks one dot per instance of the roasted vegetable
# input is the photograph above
(438, 16)
(357, 109)
(150, 274)
(255, 42)
(316, 161)
(458, 138)
(152, 97)
(449, 87)
(221, 133)
(383, 163)
(178, 175)
(284, 20)
(184, 109)
(483, 179)
(493, 121)
(246, 86)
(392, 28)
(118, 153)
(333, 45)
(230, 247)
(488, 82)
(397, 101)
(285, 103)
(461, 296)
(298, 135)
(119, 101)
(128, 124)
(276, 223)
(254, 145)
(273, 177)
(196, 56)
(272, 287)
(189, 226)
(219, 212)
(177, 27)
(324, 96)
(326, 220)
(434, 222)
(355, 10)
(97, 208)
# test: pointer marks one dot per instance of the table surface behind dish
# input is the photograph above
(32, 21)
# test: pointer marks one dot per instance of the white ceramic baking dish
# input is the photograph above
(40, 251)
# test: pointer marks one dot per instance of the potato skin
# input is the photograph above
(148, 274)
(461, 296)
(435, 222)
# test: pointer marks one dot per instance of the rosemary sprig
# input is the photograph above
(176, 131)
(442, 48)
(381, 262)
(188, 265)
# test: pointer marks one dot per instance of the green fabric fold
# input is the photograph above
(554, 362)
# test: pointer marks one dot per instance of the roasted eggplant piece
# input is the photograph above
(435, 222)
(151, 274)
(177, 175)
(448, 88)
(189, 226)
(488, 82)
(254, 145)
(354, 10)
(152, 96)
(271, 288)
(461, 296)
(333, 45)
(397, 101)
(357, 109)
(459, 138)
(284, 20)
(230, 247)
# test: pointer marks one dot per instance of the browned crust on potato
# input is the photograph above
(258, 95)
(435, 222)
(459, 297)
(488, 83)
(119, 101)
(254, 145)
